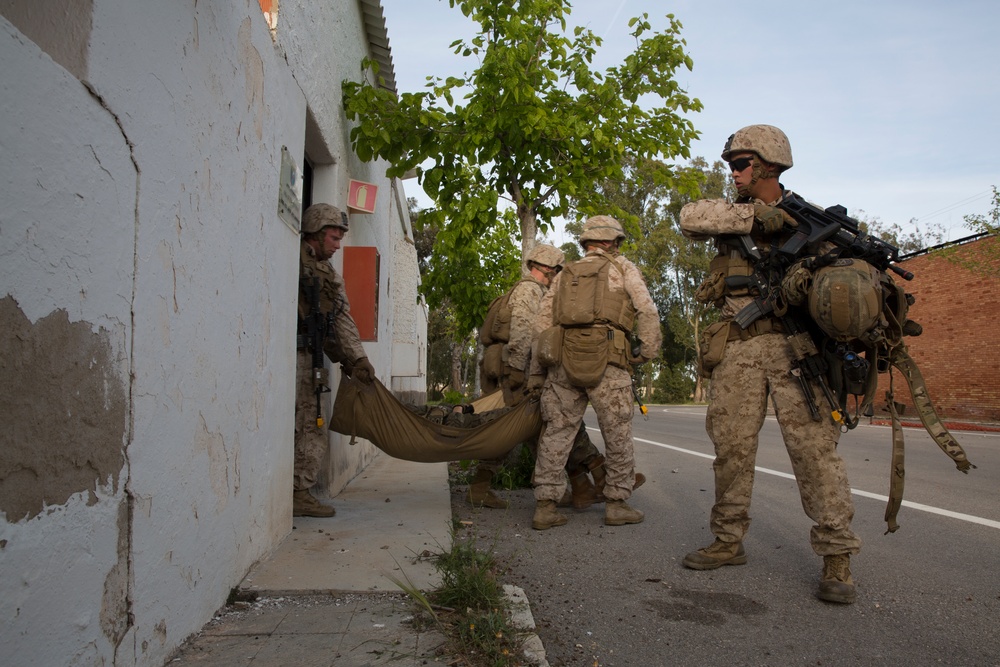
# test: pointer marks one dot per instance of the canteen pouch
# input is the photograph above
(493, 361)
(549, 347)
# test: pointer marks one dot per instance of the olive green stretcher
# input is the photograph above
(372, 412)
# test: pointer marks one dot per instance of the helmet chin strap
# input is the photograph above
(756, 174)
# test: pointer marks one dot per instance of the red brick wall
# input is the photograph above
(957, 294)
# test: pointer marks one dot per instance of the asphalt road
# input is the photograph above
(928, 594)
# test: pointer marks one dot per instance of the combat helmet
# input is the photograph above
(547, 255)
(602, 228)
(319, 216)
(767, 141)
(845, 299)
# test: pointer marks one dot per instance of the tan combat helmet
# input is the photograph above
(602, 228)
(767, 141)
(546, 255)
(319, 216)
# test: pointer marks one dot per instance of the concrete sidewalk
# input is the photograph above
(326, 596)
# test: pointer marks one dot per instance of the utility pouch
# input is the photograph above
(585, 355)
(713, 346)
(493, 361)
(549, 347)
(618, 342)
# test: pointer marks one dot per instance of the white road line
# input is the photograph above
(866, 494)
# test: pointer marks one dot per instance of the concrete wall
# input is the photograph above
(147, 307)
(957, 304)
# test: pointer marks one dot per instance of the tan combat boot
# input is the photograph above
(719, 553)
(546, 516)
(480, 493)
(584, 493)
(619, 513)
(836, 583)
(303, 504)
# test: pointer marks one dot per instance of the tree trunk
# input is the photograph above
(456, 366)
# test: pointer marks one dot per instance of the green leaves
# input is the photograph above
(536, 130)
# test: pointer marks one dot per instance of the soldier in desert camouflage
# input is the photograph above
(512, 330)
(749, 365)
(593, 328)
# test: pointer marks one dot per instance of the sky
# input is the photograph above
(891, 106)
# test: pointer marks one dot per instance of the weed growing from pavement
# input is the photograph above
(480, 618)
(469, 606)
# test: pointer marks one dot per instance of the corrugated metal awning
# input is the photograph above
(378, 41)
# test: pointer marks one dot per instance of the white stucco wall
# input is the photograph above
(140, 206)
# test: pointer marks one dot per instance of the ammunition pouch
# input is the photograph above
(618, 348)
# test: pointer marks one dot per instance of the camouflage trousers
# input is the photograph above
(563, 407)
(311, 441)
(750, 371)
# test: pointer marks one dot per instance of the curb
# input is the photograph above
(524, 622)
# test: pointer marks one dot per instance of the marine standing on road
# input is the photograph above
(324, 313)
(748, 365)
(510, 326)
(590, 309)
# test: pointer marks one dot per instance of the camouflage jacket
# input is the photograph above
(524, 301)
(343, 343)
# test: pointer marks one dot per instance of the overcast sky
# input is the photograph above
(891, 106)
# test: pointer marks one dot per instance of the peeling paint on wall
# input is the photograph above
(116, 605)
(65, 409)
(253, 67)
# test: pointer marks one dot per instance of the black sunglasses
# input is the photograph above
(740, 163)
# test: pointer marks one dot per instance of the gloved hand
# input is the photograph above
(515, 378)
(772, 219)
(535, 382)
(363, 371)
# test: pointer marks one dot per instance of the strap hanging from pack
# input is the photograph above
(897, 472)
(900, 358)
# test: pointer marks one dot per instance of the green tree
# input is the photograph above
(989, 223)
(457, 286)
(536, 126)
(919, 238)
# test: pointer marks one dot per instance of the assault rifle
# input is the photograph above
(815, 227)
(316, 329)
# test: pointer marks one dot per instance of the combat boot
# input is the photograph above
(480, 493)
(836, 583)
(584, 493)
(546, 516)
(304, 504)
(600, 474)
(619, 513)
(717, 554)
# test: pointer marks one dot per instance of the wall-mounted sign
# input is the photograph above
(361, 197)
(289, 191)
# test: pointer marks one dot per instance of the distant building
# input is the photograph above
(156, 158)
